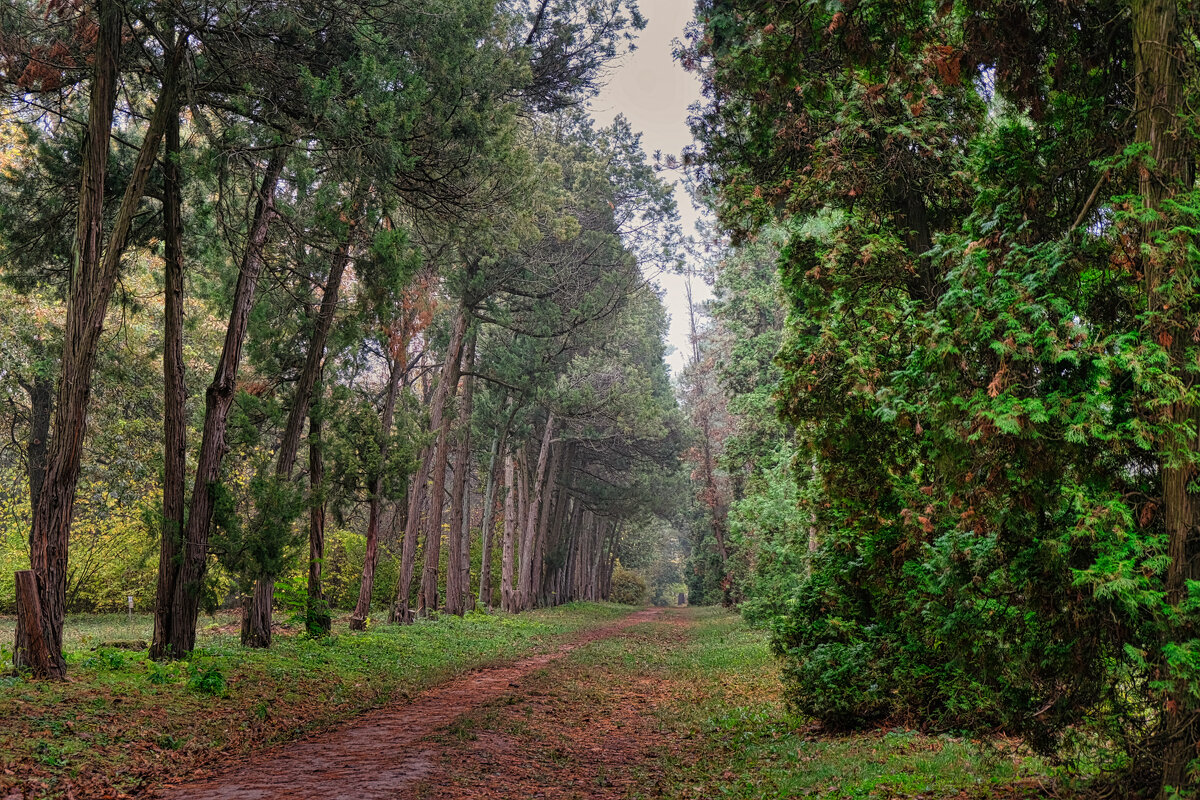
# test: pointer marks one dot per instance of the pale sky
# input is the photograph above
(654, 92)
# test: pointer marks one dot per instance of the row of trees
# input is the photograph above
(387, 231)
(963, 270)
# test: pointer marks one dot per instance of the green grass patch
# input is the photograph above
(737, 739)
(125, 722)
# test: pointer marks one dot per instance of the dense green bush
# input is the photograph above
(628, 587)
(988, 368)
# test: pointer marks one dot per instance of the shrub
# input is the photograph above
(627, 587)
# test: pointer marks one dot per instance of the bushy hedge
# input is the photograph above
(628, 587)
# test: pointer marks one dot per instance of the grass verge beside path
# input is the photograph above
(122, 722)
(739, 741)
(687, 707)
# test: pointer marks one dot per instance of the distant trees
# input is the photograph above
(390, 233)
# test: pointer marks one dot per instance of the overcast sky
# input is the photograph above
(654, 92)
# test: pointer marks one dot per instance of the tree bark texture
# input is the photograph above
(180, 633)
(174, 389)
(362, 610)
(1159, 60)
(256, 614)
(38, 656)
(40, 388)
(458, 564)
(447, 387)
(93, 278)
(532, 519)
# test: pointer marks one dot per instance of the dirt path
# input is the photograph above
(592, 727)
(386, 753)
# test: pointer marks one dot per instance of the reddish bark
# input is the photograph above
(38, 656)
(256, 614)
(93, 279)
(179, 635)
(174, 387)
(1159, 60)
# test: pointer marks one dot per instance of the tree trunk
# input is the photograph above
(458, 564)
(1161, 114)
(317, 620)
(612, 538)
(185, 602)
(486, 523)
(545, 506)
(568, 571)
(437, 492)
(93, 278)
(464, 546)
(256, 614)
(532, 519)
(40, 389)
(523, 490)
(418, 497)
(37, 653)
(362, 610)
(508, 543)
(401, 612)
(499, 446)
(556, 540)
(174, 390)
(289, 445)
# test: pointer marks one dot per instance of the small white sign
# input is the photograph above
(130, 602)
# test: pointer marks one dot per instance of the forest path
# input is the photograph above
(392, 752)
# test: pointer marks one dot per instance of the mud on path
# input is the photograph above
(387, 753)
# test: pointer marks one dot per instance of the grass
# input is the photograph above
(122, 722)
(734, 738)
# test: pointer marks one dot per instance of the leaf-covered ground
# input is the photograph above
(579, 702)
(122, 723)
(687, 706)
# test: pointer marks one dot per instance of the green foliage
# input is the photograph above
(628, 587)
(105, 658)
(978, 368)
(206, 679)
(265, 547)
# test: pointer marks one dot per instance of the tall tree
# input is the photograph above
(97, 261)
